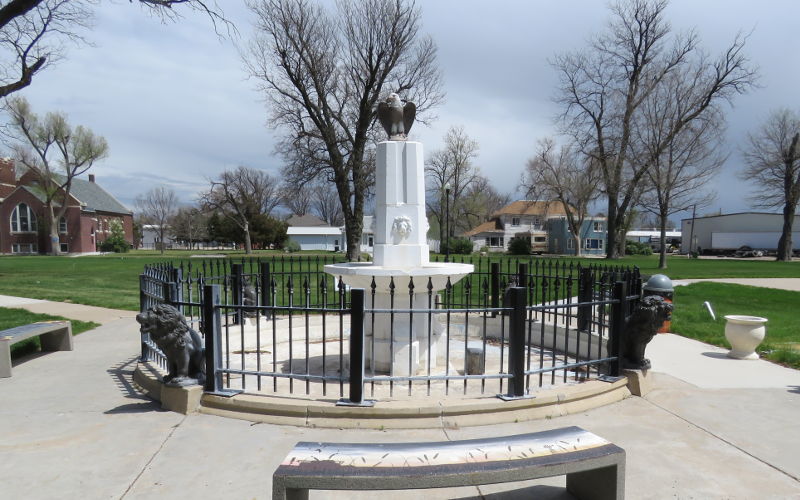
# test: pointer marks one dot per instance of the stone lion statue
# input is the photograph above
(182, 346)
(640, 329)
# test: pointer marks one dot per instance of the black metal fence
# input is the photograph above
(283, 325)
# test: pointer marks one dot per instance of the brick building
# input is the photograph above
(84, 226)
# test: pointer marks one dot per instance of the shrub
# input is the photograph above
(462, 246)
(291, 246)
(116, 241)
(637, 248)
(519, 246)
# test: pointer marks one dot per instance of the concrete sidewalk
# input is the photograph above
(75, 427)
(68, 310)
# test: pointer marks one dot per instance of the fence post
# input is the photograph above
(356, 352)
(517, 298)
(169, 293)
(236, 292)
(212, 326)
(142, 308)
(585, 294)
(142, 295)
(619, 310)
(495, 285)
(522, 275)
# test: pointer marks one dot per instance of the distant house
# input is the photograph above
(84, 226)
(543, 224)
(151, 238)
(313, 233)
(367, 234)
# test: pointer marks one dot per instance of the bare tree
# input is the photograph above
(325, 203)
(240, 195)
(55, 153)
(33, 32)
(565, 175)
(297, 198)
(681, 167)
(157, 207)
(478, 203)
(189, 224)
(773, 165)
(323, 74)
(602, 90)
(451, 167)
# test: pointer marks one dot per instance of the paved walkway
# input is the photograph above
(81, 312)
(73, 426)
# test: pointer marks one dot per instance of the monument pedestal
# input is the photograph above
(400, 340)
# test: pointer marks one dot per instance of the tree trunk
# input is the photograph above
(161, 239)
(52, 231)
(785, 241)
(612, 246)
(577, 242)
(248, 246)
(662, 253)
(353, 228)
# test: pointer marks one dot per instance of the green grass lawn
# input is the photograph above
(11, 317)
(678, 267)
(691, 319)
(112, 280)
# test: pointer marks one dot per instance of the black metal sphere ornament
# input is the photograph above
(396, 117)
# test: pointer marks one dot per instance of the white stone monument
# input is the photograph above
(400, 342)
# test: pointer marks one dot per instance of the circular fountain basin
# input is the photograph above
(361, 274)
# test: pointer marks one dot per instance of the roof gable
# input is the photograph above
(306, 221)
(532, 207)
(94, 198)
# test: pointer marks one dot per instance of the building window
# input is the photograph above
(593, 244)
(570, 243)
(515, 221)
(23, 220)
(62, 225)
(494, 241)
(65, 248)
(598, 227)
(371, 242)
(24, 248)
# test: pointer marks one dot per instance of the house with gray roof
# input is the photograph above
(91, 210)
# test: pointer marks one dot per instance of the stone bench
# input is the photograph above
(595, 468)
(54, 336)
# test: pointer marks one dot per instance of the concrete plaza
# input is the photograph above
(75, 427)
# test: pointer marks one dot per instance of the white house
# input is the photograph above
(721, 233)
(313, 233)
(543, 224)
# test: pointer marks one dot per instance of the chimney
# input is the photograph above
(91, 177)
(7, 171)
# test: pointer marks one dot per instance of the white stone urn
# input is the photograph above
(744, 333)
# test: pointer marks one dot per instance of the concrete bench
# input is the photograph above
(54, 336)
(594, 467)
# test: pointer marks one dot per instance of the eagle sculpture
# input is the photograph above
(395, 117)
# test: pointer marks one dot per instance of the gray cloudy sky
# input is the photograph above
(176, 108)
